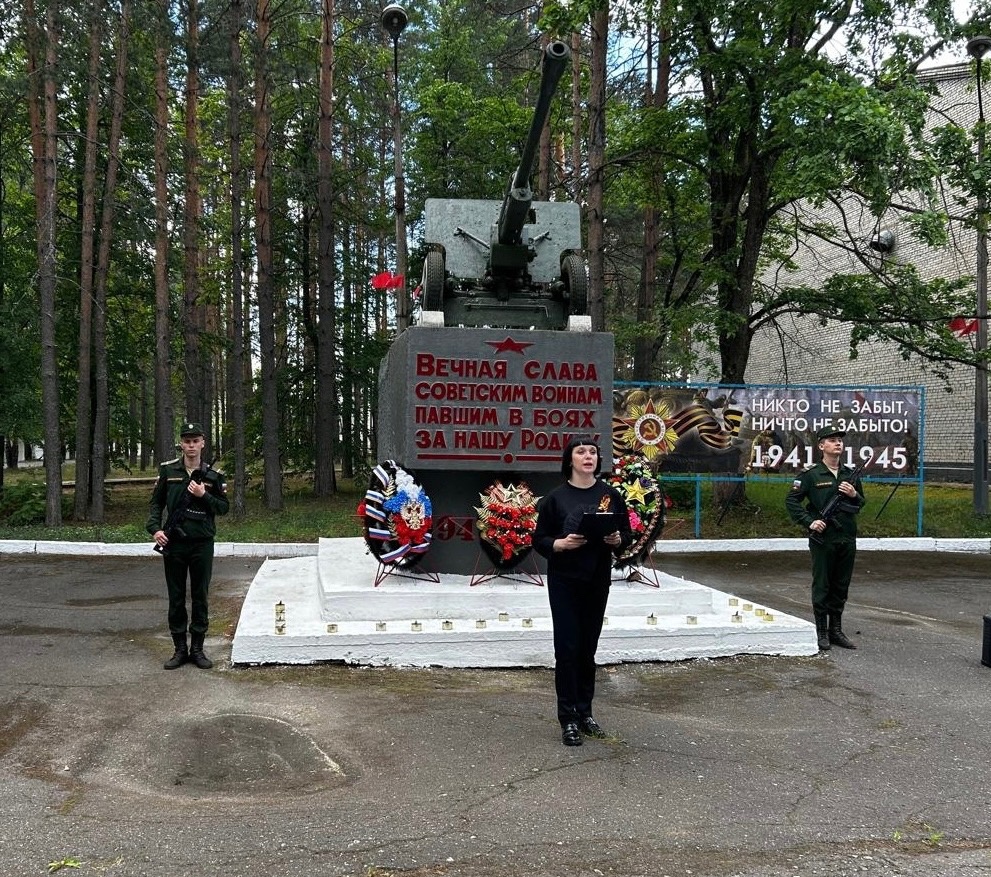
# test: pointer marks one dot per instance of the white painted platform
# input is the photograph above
(334, 612)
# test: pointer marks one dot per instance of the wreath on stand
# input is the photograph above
(506, 521)
(396, 516)
(632, 476)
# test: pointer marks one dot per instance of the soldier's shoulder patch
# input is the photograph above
(796, 484)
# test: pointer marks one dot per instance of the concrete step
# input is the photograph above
(328, 608)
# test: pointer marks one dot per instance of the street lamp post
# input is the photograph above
(977, 48)
(394, 21)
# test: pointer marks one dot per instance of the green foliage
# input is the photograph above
(23, 503)
(475, 86)
(681, 494)
(763, 121)
(304, 518)
(764, 117)
(948, 513)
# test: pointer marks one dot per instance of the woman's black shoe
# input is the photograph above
(570, 735)
(592, 728)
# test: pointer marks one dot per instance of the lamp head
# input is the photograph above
(394, 20)
(883, 241)
(978, 47)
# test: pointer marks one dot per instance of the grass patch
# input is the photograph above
(304, 517)
(947, 513)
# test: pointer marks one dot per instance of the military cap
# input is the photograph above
(191, 429)
(828, 432)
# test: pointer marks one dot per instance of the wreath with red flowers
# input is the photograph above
(633, 477)
(506, 521)
(396, 515)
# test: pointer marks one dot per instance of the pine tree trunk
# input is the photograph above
(193, 320)
(164, 412)
(596, 167)
(43, 113)
(235, 360)
(263, 241)
(101, 420)
(326, 396)
(84, 394)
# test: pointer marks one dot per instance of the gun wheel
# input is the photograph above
(575, 284)
(433, 281)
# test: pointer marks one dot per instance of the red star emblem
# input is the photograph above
(509, 345)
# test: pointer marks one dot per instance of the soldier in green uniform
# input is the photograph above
(188, 549)
(832, 543)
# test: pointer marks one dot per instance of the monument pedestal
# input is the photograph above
(332, 611)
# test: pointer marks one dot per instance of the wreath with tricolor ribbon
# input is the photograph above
(396, 515)
(633, 477)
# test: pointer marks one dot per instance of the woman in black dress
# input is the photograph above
(578, 576)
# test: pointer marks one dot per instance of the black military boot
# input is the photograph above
(181, 654)
(196, 655)
(836, 635)
(822, 631)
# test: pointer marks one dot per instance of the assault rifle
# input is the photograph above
(177, 516)
(838, 503)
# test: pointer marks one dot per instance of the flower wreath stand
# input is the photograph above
(643, 572)
(633, 477)
(397, 519)
(506, 521)
(385, 570)
(523, 571)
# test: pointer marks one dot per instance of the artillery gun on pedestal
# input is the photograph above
(514, 264)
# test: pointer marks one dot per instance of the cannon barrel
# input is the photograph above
(516, 204)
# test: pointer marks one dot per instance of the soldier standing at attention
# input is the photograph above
(188, 548)
(832, 543)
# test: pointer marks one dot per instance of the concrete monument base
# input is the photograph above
(304, 610)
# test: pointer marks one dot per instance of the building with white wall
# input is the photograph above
(802, 350)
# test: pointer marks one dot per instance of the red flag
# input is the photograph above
(387, 280)
(961, 326)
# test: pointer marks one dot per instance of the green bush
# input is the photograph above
(681, 493)
(23, 503)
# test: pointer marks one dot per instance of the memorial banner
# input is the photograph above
(766, 428)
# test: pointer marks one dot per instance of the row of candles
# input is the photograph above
(481, 623)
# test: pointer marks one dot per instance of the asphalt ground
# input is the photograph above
(873, 761)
